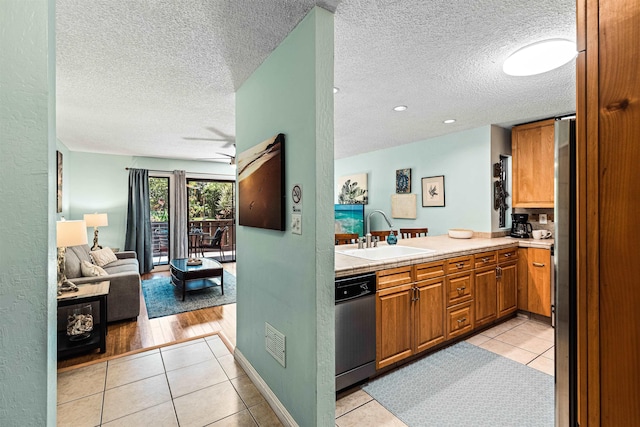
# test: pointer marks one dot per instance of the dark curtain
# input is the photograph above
(138, 237)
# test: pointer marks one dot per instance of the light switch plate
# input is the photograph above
(543, 218)
(296, 223)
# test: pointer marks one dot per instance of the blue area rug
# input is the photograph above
(164, 299)
(464, 385)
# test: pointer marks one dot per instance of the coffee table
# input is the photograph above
(194, 277)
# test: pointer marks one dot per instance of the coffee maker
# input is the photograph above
(520, 228)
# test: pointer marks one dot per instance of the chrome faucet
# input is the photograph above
(368, 235)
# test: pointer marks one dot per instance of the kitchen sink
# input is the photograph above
(384, 252)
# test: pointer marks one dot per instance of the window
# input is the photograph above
(159, 212)
(212, 205)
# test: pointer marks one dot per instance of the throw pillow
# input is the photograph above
(92, 270)
(102, 257)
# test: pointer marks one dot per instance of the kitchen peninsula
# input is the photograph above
(444, 247)
(429, 299)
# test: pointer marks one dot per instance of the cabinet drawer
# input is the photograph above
(394, 277)
(462, 263)
(459, 319)
(429, 270)
(459, 288)
(508, 254)
(485, 259)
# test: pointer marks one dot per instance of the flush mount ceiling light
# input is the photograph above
(448, 121)
(400, 108)
(540, 57)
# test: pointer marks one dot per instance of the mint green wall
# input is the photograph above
(286, 279)
(99, 183)
(464, 158)
(27, 227)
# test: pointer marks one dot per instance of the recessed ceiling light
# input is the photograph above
(336, 89)
(540, 57)
(400, 108)
(449, 121)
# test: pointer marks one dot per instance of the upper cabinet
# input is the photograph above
(532, 147)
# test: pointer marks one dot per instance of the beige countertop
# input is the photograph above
(444, 247)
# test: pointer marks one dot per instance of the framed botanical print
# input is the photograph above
(433, 191)
(403, 181)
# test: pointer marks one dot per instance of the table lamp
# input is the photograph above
(68, 233)
(96, 220)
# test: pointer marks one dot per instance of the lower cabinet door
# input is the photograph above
(459, 319)
(429, 314)
(508, 289)
(394, 322)
(486, 299)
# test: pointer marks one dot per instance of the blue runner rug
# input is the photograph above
(164, 299)
(464, 385)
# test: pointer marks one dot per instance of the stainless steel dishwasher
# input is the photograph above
(355, 329)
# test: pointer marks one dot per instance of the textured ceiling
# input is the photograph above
(157, 78)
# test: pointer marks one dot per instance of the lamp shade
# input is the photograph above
(96, 220)
(71, 233)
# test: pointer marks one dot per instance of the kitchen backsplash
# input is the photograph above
(534, 218)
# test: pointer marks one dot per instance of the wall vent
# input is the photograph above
(274, 343)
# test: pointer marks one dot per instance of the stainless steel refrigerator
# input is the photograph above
(564, 313)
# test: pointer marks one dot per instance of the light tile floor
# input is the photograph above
(525, 341)
(195, 383)
(198, 383)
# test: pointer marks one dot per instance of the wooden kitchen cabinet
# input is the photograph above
(394, 324)
(507, 285)
(429, 313)
(459, 319)
(409, 316)
(539, 281)
(486, 301)
(533, 272)
(459, 287)
(532, 147)
(486, 296)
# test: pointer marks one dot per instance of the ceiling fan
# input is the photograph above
(223, 137)
(223, 156)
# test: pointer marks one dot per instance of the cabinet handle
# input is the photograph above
(415, 296)
(464, 319)
(485, 259)
(460, 264)
(538, 264)
(461, 289)
(498, 272)
(507, 255)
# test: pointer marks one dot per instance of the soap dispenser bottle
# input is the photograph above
(392, 239)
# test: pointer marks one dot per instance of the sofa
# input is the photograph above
(123, 301)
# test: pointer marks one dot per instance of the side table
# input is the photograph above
(87, 293)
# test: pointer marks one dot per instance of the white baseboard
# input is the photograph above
(279, 409)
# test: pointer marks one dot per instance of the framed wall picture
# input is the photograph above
(403, 181)
(433, 191)
(352, 190)
(59, 182)
(261, 196)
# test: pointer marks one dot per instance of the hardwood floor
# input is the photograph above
(130, 337)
